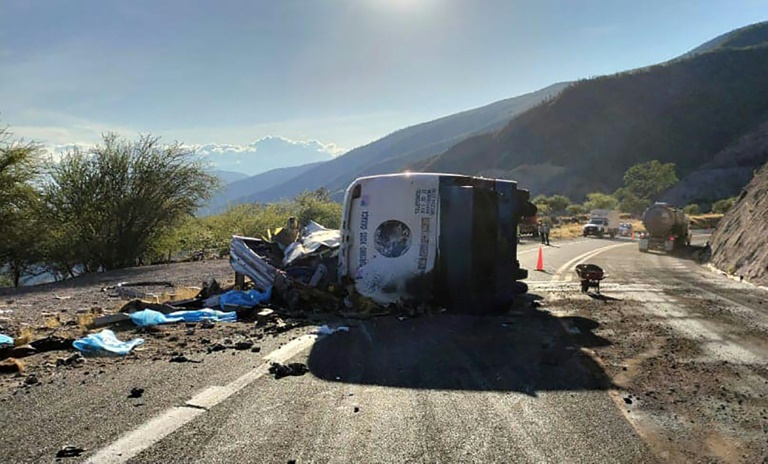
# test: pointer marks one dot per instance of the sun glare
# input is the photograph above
(402, 6)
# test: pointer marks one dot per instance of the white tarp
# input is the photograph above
(313, 239)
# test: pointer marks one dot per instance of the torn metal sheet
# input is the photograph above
(247, 262)
(315, 238)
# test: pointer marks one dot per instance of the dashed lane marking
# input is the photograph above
(159, 427)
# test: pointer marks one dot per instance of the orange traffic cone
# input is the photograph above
(540, 262)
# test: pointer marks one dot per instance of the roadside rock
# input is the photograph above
(285, 370)
(70, 451)
(75, 359)
(183, 359)
(244, 345)
(740, 244)
(11, 366)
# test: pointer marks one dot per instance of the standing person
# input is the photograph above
(541, 232)
(545, 235)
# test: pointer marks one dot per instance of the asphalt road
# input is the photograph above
(443, 388)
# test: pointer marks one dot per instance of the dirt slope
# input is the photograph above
(740, 243)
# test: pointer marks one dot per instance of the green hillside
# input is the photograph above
(747, 36)
(685, 112)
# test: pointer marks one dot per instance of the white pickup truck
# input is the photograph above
(602, 222)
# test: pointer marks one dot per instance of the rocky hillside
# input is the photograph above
(740, 243)
(727, 174)
(686, 111)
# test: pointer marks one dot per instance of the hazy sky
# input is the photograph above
(344, 72)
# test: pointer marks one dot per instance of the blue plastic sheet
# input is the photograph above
(105, 343)
(149, 317)
(247, 299)
(200, 314)
(6, 340)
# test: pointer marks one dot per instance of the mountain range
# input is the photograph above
(685, 111)
(705, 111)
(387, 154)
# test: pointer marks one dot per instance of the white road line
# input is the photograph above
(590, 254)
(533, 250)
(159, 427)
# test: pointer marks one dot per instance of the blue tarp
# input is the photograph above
(247, 299)
(150, 317)
(6, 340)
(105, 343)
(200, 314)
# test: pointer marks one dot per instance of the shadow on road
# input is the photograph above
(528, 353)
(601, 297)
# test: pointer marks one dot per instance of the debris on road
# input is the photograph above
(315, 241)
(149, 317)
(244, 299)
(73, 360)
(244, 345)
(105, 343)
(136, 392)
(21, 351)
(52, 343)
(70, 451)
(11, 366)
(217, 347)
(326, 330)
(265, 315)
(5, 340)
(184, 359)
(285, 370)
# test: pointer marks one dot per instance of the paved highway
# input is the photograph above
(445, 388)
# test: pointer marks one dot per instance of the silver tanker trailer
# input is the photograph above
(667, 228)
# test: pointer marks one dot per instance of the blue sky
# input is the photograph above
(344, 72)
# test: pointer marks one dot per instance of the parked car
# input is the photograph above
(625, 229)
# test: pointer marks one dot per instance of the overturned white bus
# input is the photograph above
(440, 238)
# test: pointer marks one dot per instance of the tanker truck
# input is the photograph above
(667, 228)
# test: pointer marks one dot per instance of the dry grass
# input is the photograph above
(26, 335)
(182, 293)
(705, 221)
(52, 322)
(566, 231)
(569, 231)
(85, 321)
